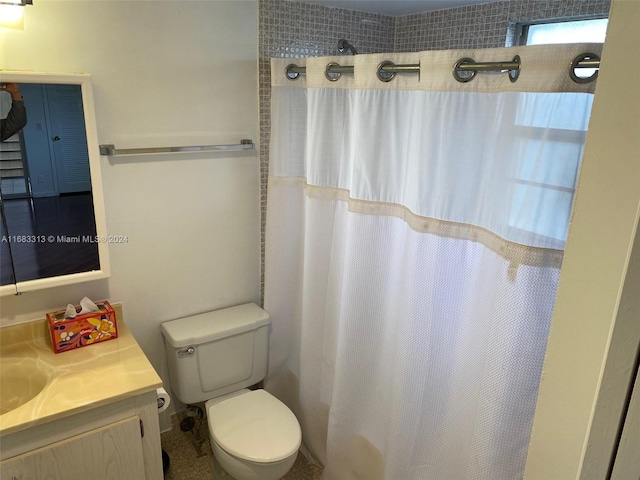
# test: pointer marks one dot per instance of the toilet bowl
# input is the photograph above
(254, 436)
(247, 470)
(213, 357)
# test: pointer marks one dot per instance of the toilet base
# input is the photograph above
(219, 472)
(245, 470)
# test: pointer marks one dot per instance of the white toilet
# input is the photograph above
(212, 358)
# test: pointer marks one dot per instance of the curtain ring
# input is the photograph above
(385, 76)
(574, 65)
(467, 75)
(332, 76)
(291, 75)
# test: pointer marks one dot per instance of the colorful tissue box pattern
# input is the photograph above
(86, 329)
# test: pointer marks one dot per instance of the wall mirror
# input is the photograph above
(53, 219)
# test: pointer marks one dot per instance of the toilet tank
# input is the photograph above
(216, 353)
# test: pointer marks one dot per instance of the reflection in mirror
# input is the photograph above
(6, 256)
(48, 177)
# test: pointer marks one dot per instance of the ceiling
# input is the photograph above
(395, 7)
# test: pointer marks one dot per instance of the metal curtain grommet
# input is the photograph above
(464, 76)
(514, 74)
(385, 76)
(332, 76)
(580, 58)
(291, 75)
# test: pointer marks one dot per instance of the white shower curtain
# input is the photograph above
(413, 245)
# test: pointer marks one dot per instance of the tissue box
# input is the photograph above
(86, 329)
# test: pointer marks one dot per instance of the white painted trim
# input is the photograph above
(39, 284)
(617, 373)
(581, 396)
(627, 464)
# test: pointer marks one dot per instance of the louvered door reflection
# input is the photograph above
(68, 138)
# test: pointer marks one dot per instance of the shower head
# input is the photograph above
(344, 47)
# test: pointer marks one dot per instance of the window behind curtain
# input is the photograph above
(558, 184)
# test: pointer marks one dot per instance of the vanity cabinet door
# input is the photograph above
(112, 452)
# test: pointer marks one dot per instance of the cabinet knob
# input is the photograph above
(55, 139)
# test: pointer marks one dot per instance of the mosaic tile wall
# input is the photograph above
(291, 29)
(487, 25)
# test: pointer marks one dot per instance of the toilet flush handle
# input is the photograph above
(187, 352)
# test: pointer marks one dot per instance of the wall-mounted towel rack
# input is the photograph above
(109, 149)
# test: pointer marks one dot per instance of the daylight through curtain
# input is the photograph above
(415, 231)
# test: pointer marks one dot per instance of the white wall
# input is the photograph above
(164, 73)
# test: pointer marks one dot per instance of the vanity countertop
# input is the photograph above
(76, 380)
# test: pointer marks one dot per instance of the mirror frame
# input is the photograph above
(84, 80)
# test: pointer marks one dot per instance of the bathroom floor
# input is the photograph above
(191, 457)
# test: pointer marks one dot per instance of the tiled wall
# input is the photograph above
(486, 25)
(291, 29)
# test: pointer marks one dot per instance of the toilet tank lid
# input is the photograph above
(210, 326)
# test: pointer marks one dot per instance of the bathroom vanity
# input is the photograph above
(85, 413)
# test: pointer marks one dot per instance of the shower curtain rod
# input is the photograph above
(387, 70)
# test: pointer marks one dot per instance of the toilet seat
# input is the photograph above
(254, 426)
